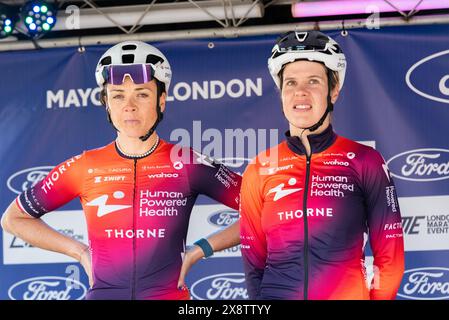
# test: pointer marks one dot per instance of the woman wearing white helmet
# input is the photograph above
(137, 192)
(306, 213)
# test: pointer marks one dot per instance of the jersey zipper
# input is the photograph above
(306, 229)
(133, 284)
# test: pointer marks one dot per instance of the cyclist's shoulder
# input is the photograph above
(362, 153)
(100, 150)
(363, 148)
(268, 159)
(93, 156)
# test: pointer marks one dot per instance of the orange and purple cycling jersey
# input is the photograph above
(305, 221)
(137, 212)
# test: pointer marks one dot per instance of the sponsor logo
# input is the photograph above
(270, 171)
(109, 179)
(336, 162)
(280, 193)
(390, 195)
(311, 212)
(27, 178)
(223, 286)
(163, 175)
(350, 155)
(425, 223)
(226, 177)
(330, 186)
(411, 225)
(145, 167)
(431, 283)
(333, 154)
(223, 218)
(393, 226)
(178, 165)
(432, 224)
(203, 159)
(236, 164)
(54, 176)
(420, 165)
(160, 203)
(119, 170)
(387, 171)
(135, 233)
(103, 208)
(443, 89)
(47, 288)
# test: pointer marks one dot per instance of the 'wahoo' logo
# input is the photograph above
(27, 178)
(426, 284)
(432, 67)
(223, 218)
(420, 165)
(47, 288)
(163, 175)
(223, 286)
(335, 162)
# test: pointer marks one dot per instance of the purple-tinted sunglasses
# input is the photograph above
(139, 73)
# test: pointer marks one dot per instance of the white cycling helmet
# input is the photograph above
(309, 45)
(135, 52)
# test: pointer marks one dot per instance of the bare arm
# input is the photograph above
(224, 239)
(37, 233)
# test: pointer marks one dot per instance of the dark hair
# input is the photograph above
(333, 76)
(103, 93)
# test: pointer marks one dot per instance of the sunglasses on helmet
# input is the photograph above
(139, 73)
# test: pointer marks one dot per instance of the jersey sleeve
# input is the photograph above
(384, 227)
(252, 237)
(214, 179)
(60, 186)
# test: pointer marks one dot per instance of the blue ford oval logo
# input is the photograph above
(223, 218)
(420, 165)
(223, 286)
(26, 179)
(425, 284)
(47, 288)
(431, 67)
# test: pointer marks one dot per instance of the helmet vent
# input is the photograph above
(129, 47)
(106, 61)
(153, 59)
(128, 58)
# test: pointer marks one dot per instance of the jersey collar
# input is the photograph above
(318, 142)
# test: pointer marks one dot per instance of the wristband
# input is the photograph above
(205, 246)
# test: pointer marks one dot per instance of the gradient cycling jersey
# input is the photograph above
(137, 212)
(305, 220)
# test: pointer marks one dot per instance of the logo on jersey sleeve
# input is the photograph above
(103, 208)
(203, 159)
(387, 172)
(280, 192)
